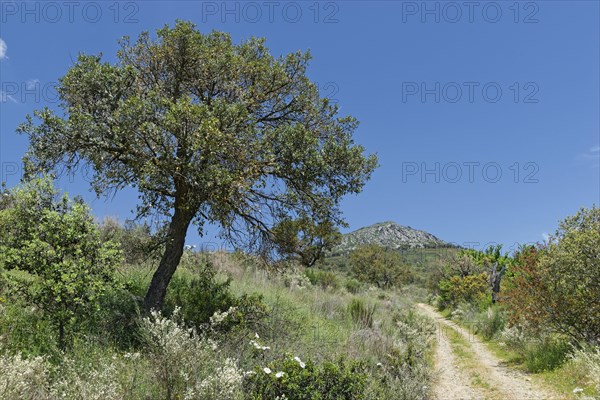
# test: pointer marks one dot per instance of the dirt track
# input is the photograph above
(487, 377)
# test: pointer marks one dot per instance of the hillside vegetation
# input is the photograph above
(232, 326)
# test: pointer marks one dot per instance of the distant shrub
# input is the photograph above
(361, 313)
(377, 265)
(353, 285)
(324, 279)
(137, 241)
(456, 289)
(293, 278)
(292, 378)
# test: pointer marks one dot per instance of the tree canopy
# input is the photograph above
(207, 131)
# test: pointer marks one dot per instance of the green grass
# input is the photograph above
(321, 323)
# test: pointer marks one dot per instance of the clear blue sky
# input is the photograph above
(440, 88)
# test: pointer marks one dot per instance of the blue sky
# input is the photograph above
(484, 115)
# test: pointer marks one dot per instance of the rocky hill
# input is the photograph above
(389, 234)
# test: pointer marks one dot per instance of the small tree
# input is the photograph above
(456, 289)
(208, 131)
(527, 290)
(378, 265)
(305, 239)
(56, 244)
(560, 285)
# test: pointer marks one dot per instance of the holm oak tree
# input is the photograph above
(207, 131)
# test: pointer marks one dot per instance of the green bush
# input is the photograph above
(353, 285)
(292, 378)
(24, 329)
(378, 265)
(546, 354)
(200, 295)
(324, 279)
(361, 313)
(53, 247)
(469, 289)
(490, 323)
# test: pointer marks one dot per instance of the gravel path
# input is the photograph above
(502, 382)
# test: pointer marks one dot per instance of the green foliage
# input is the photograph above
(361, 312)
(305, 239)
(201, 294)
(490, 323)
(292, 378)
(137, 242)
(380, 266)
(207, 131)
(56, 244)
(353, 285)
(557, 286)
(24, 329)
(571, 266)
(546, 354)
(456, 289)
(324, 279)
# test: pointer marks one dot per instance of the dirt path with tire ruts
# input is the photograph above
(466, 370)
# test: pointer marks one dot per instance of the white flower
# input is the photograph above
(299, 361)
(267, 370)
(279, 374)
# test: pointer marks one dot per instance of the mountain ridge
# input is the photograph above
(391, 235)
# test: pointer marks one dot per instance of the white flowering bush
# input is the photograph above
(293, 278)
(22, 378)
(589, 359)
(290, 377)
(188, 364)
(94, 382)
(225, 383)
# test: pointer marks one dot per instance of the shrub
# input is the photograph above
(56, 244)
(198, 295)
(186, 364)
(558, 285)
(291, 378)
(456, 289)
(201, 296)
(380, 266)
(24, 330)
(324, 279)
(490, 323)
(353, 286)
(22, 378)
(361, 313)
(545, 355)
(589, 359)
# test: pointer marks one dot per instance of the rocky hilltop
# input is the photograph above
(389, 234)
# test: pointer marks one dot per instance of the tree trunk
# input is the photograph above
(495, 279)
(170, 260)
